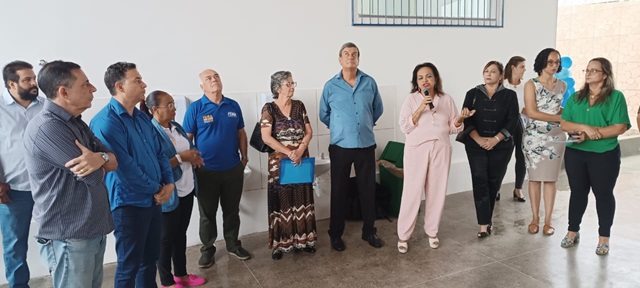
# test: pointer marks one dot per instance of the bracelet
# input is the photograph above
(244, 159)
(179, 158)
(497, 138)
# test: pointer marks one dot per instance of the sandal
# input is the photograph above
(403, 247)
(568, 242)
(533, 228)
(434, 242)
(548, 230)
(602, 249)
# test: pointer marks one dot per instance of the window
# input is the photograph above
(482, 13)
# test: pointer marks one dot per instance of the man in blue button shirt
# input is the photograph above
(19, 104)
(350, 106)
(216, 124)
(143, 180)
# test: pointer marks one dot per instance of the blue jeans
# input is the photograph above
(137, 232)
(15, 220)
(74, 262)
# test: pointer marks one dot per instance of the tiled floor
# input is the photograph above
(509, 258)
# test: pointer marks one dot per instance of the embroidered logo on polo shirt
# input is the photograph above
(232, 114)
(207, 118)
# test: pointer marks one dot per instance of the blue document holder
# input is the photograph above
(303, 173)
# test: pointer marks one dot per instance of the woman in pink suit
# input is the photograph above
(427, 118)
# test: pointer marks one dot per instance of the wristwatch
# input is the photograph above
(105, 156)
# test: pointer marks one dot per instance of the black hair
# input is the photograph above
(55, 74)
(151, 101)
(414, 79)
(10, 71)
(116, 73)
(541, 60)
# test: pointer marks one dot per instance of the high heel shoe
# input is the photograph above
(276, 255)
(486, 233)
(568, 242)
(518, 198)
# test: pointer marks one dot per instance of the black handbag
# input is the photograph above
(462, 136)
(256, 137)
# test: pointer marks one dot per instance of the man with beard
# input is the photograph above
(20, 102)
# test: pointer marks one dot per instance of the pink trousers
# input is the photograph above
(426, 172)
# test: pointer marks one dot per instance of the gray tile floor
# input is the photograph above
(509, 258)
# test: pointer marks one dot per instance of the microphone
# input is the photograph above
(426, 93)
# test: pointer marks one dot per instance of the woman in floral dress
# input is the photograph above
(543, 142)
(286, 129)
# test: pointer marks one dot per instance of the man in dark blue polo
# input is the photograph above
(350, 106)
(216, 124)
(143, 180)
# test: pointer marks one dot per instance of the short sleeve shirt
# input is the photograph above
(612, 111)
(215, 130)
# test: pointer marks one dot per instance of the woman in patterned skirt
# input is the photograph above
(543, 142)
(286, 129)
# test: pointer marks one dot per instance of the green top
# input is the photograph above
(612, 111)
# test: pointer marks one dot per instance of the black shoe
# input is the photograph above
(240, 253)
(498, 197)
(485, 234)
(337, 244)
(518, 198)
(276, 255)
(309, 249)
(206, 258)
(373, 240)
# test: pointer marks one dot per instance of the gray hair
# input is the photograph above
(276, 81)
(348, 45)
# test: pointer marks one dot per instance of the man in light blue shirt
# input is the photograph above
(19, 104)
(350, 106)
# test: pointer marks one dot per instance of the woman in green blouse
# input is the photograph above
(594, 117)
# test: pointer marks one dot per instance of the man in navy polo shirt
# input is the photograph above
(216, 124)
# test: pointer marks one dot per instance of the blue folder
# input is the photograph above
(302, 173)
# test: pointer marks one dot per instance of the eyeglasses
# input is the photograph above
(591, 71)
(290, 84)
(170, 106)
(552, 62)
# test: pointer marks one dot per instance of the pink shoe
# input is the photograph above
(193, 281)
(174, 286)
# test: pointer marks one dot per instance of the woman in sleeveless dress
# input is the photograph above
(544, 140)
(286, 129)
